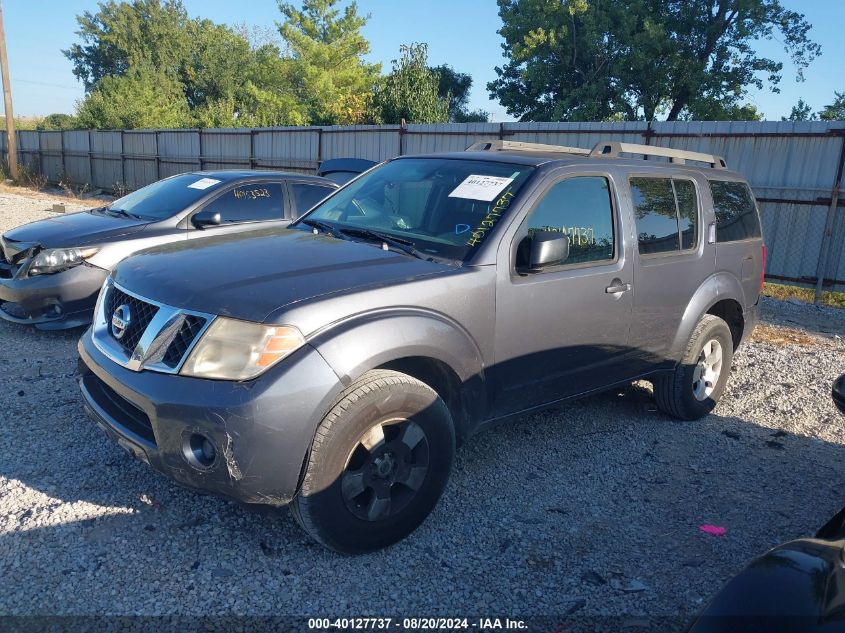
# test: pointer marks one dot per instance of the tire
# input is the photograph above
(691, 391)
(389, 436)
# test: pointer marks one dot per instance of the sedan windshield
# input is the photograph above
(164, 198)
(438, 207)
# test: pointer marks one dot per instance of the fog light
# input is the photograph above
(199, 451)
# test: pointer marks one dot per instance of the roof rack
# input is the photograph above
(679, 156)
(518, 146)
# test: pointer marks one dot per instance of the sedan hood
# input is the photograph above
(250, 275)
(75, 229)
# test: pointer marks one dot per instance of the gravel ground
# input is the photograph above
(590, 509)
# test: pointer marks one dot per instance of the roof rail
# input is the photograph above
(679, 156)
(518, 146)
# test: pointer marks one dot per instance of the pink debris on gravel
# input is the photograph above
(713, 530)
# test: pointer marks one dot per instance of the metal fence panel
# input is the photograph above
(106, 159)
(140, 162)
(287, 149)
(77, 156)
(225, 149)
(179, 151)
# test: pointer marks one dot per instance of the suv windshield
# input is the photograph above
(440, 207)
(164, 198)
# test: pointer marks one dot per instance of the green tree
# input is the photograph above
(329, 74)
(142, 98)
(123, 35)
(801, 111)
(836, 110)
(208, 61)
(410, 91)
(58, 121)
(454, 87)
(637, 59)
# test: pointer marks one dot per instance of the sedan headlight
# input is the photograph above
(53, 260)
(240, 350)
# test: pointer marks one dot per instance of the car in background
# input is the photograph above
(52, 270)
(342, 170)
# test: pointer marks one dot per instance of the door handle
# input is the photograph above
(617, 286)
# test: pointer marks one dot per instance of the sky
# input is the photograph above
(461, 33)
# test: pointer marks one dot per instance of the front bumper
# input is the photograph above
(58, 301)
(261, 430)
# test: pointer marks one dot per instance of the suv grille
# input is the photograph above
(183, 339)
(119, 409)
(157, 336)
(142, 313)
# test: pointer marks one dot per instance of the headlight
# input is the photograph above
(240, 350)
(53, 260)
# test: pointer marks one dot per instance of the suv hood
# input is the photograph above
(75, 229)
(250, 275)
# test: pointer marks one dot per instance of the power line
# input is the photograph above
(44, 83)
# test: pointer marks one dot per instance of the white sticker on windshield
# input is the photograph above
(480, 187)
(203, 183)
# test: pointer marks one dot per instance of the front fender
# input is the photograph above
(365, 341)
(715, 288)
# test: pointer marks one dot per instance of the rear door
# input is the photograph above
(563, 330)
(673, 258)
(739, 237)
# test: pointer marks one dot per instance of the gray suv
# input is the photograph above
(334, 365)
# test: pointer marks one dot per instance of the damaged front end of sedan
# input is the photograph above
(31, 292)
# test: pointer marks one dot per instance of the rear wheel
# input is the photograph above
(379, 462)
(697, 383)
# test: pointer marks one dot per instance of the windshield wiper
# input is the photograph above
(406, 246)
(122, 213)
(325, 227)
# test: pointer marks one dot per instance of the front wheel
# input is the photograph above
(697, 383)
(379, 462)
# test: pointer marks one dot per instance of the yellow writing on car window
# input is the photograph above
(490, 219)
(251, 194)
(578, 235)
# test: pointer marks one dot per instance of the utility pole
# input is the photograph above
(7, 99)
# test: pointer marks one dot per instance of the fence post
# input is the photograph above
(252, 134)
(122, 160)
(62, 153)
(40, 157)
(403, 127)
(202, 150)
(90, 159)
(827, 236)
(158, 158)
(319, 146)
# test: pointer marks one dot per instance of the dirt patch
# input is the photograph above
(765, 333)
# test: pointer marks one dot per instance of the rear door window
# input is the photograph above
(666, 213)
(306, 195)
(736, 214)
(250, 202)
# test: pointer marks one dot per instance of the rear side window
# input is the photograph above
(253, 202)
(736, 215)
(580, 207)
(666, 212)
(306, 196)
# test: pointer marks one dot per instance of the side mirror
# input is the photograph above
(206, 218)
(547, 249)
(839, 393)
